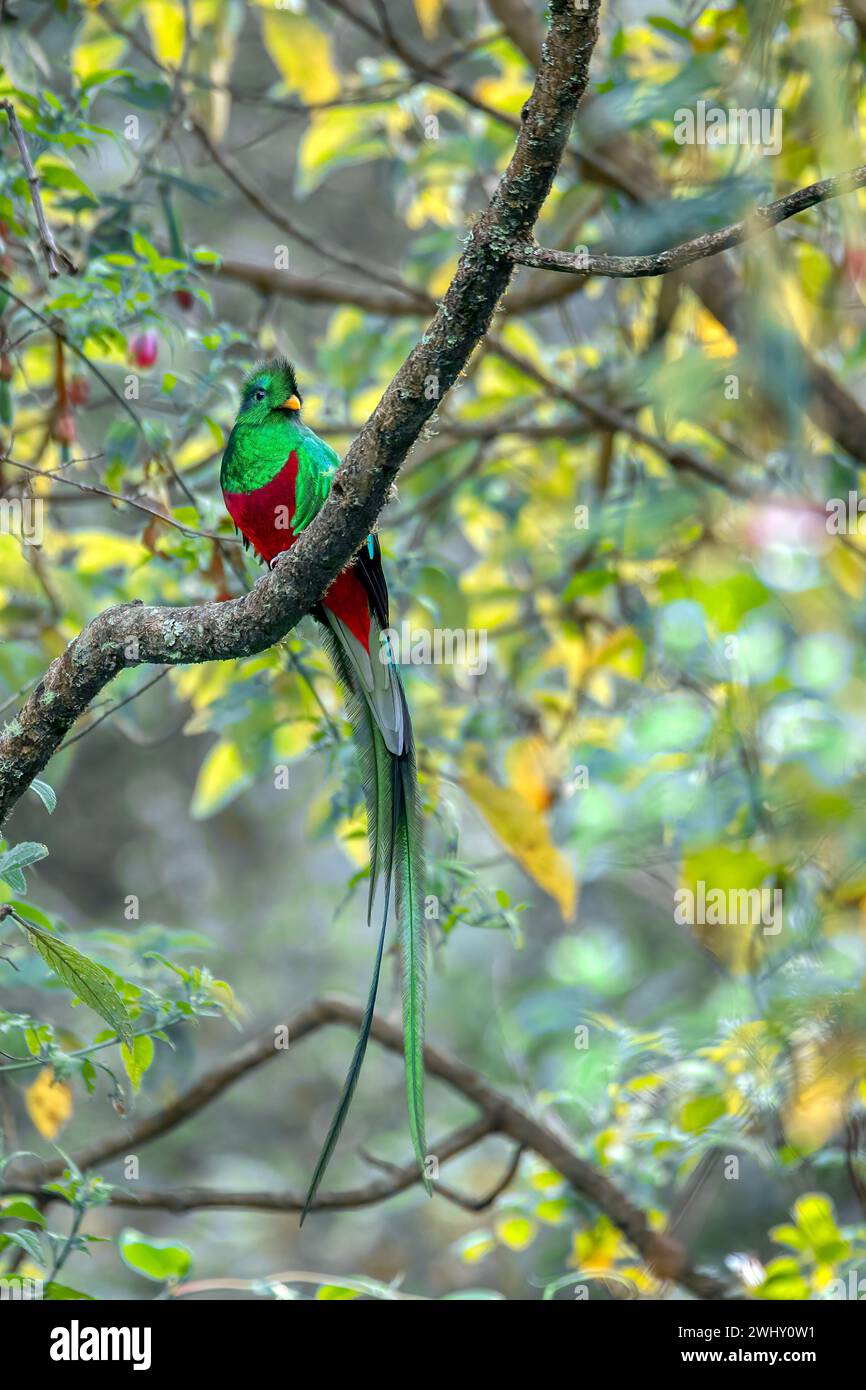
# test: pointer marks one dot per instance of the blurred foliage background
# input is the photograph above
(674, 687)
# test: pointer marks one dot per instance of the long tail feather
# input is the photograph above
(410, 908)
(396, 858)
(374, 761)
(351, 1080)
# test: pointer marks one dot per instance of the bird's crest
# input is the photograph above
(266, 373)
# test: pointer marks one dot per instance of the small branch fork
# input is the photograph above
(498, 1115)
(56, 258)
(760, 220)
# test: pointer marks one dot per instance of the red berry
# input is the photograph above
(855, 263)
(144, 348)
(79, 390)
(63, 429)
(5, 367)
(185, 298)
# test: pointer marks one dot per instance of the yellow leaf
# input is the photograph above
(848, 570)
(545, 1179)
(715, 337)
(442, 278)
(165, 20)
(718, 877)
(302, 54)
(429, 13)
(98, 551)
(597, 1248)
(352, 832)
(825, 1075)
(553, 1211)
(525, 834)
(222, 776)
(137, 1059)
(534, 771)
(474, 1247)
(292, 739)
(49, 1103)
(97, 54)
(517, 1232)
(508, 94)
(226, 21)
(434, 203)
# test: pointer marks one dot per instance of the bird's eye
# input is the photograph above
(258, 395)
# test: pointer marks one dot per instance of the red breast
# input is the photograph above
(263, 517)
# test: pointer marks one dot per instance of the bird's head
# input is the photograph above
(271, 388)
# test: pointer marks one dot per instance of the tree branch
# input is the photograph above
(608, 418)
(498, 1114)
(408, 301)
(55, 258)
(132, 633)
(760, 220)
(400, 1179)
(355, 264)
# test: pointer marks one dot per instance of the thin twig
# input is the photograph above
(759, 220)
(112, 709)
(96, 491)
(460, 1199)
(55, 257)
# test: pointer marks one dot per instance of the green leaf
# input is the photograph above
(150, 96)
(17, 858)
(784, 1282)
(815, 1218)
(32, 914)
(53, 174)
(13, 860)
(89, 981)
(155, 1259)
(587, 582)
(669, 26)
(21, 1210)
(336, 137)
(137, 1058)
(29, 1241)
(700, 1112)
(46, 794)
(101, 77)
(58, 1293)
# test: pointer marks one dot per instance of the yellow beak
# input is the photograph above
(291, 404)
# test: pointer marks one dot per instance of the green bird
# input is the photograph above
(276, 474)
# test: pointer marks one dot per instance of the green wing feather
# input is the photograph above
(317, 464)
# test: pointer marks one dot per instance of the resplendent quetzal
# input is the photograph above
(275, 476)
